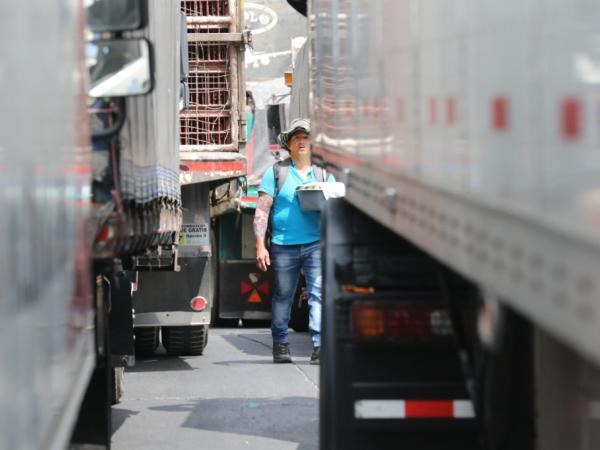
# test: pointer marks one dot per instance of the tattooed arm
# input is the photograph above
(261, 222)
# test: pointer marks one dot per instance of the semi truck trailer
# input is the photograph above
(460, 272)
(85, 192)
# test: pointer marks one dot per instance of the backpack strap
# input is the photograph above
(320, 173)
(280, 173)
(282, 168)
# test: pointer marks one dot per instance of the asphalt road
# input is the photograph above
(232, 397)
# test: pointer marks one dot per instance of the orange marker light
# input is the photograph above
(399, 321)
(288, 78)
(368, 322)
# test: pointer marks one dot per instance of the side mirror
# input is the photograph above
(115, 15)
(119, 67)
(184, 96)
(183, 40)
(275, 122)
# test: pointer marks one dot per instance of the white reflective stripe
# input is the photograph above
(463, 409)
(396, 409)
(380, 409)
(594, 410)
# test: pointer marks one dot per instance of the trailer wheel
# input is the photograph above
(146, 340)
(185, 341)
(299, 313)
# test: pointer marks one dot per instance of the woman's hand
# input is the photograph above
(263, 260)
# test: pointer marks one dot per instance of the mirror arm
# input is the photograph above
(114, 129)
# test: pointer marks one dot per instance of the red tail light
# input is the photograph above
(385, 319)
(198, 303)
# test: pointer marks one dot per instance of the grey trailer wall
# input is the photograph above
(149, 165)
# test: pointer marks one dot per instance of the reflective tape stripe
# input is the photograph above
(413, 409)
(379, 409)
(463, 409)
(212, 166)
(429, 408)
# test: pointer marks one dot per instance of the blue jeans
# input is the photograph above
(288, 261)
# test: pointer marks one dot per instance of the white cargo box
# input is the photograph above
(313, 196)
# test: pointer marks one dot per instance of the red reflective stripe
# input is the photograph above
(500, 113)
(571, 118)
(79, 169)
(104, 234)
(398, 409)
(212, 166)
(429, 408)
(247, 199)
(451, 110)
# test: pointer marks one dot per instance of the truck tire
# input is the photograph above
(118, 384)
(146, 340)
(299, 312)
(186, 340)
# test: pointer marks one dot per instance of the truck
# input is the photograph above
(244, 291)
(176, 306)
(136, 174)
(85, 193)
(228, 139)
(460, 294)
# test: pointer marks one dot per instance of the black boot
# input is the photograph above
(281, 353)
(316, 356)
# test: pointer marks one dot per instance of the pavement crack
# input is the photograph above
(306, 377)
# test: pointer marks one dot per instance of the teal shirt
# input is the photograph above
(290, 224)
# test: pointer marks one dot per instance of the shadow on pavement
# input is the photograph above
(292, 419)
(256, 344)
(244, 362)
(260, 344)
(119, 416)
(159, 363)
(297, 360)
